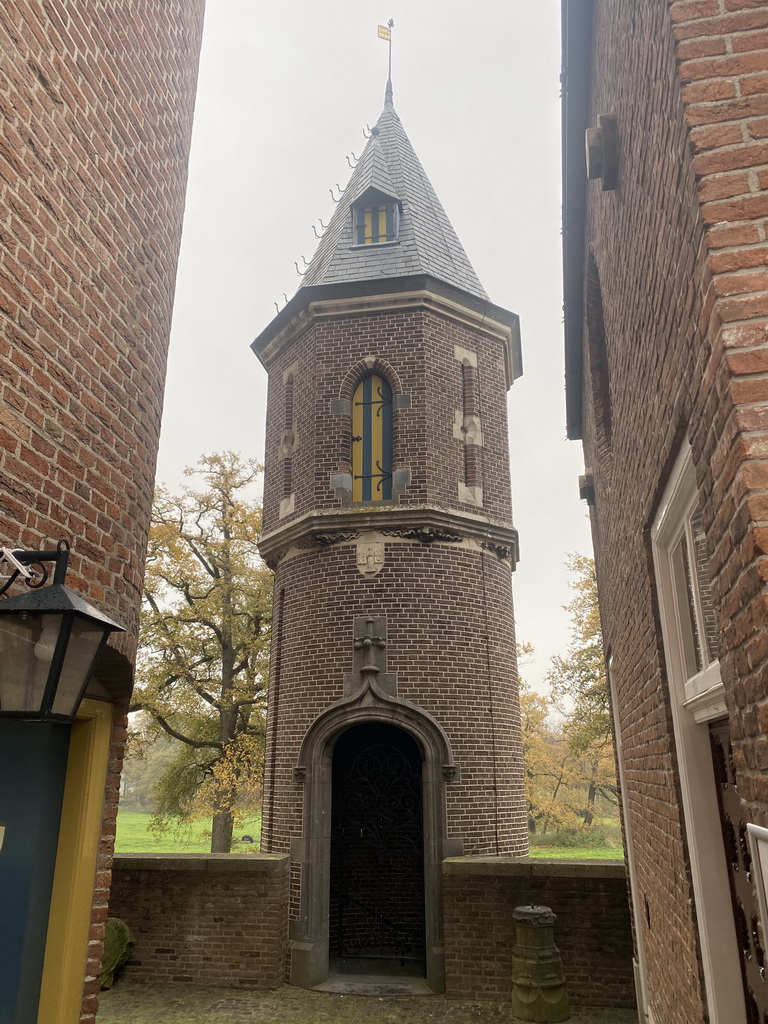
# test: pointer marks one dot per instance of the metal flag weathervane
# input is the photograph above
(385, 32)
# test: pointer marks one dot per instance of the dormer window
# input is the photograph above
(376, 223)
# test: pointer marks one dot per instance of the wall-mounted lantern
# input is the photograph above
(50, 640)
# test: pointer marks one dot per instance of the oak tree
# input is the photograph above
(203, 648)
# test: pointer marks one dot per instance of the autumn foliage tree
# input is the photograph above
(550, 767)
(567, 737)
(580, 688)
(202, 666)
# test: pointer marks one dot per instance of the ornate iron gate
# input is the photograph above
(377, 854)
(737, 855)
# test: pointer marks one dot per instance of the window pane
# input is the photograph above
(374, 225)
(372, 440)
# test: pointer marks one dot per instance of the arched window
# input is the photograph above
(372, 440)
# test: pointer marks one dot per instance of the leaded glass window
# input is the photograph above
(372, 440)
(376, 223)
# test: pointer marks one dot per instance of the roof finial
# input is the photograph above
(385, 32)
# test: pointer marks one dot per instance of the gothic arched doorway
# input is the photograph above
(377, 848)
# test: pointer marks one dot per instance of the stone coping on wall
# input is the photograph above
(528, 867)
(231, 863)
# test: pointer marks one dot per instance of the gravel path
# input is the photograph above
(132, 1003)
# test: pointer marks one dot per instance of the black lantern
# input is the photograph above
(50, 641)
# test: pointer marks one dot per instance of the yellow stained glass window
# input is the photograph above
(376, 224)
(372, 440)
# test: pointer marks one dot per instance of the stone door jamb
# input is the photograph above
(309, 934)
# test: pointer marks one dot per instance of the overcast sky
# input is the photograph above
(285, 91)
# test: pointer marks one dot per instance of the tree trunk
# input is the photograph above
(221, 832)
(588, 815)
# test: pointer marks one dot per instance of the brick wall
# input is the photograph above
(419, 346)
(221, 919)
(213, 919)
(96, 110)
(649, 318)
(723, 52)
(436, 645)
(442, 583)
(677, 342)
(592, 932)
(448, 604)
(96, 106)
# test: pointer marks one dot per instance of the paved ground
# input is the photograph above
(132, 1003)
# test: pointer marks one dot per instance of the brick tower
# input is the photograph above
(96, 103)
(393, 727)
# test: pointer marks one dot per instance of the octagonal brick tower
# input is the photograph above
(394, 722)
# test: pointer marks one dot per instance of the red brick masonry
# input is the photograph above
(219, 919)
(593, 929)
(204, 919)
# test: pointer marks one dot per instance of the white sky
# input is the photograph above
(285, 90)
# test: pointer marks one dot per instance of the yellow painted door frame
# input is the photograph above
(69, 921)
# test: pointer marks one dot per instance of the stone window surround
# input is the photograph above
(341, 481)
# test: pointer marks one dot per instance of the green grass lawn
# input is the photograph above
(578, 852)
(133, 836)
(601, 841)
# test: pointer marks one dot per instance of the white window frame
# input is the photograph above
(695, 701)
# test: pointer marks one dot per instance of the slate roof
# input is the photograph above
(427, 243)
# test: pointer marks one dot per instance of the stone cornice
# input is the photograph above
(424, 524)
(325, 302)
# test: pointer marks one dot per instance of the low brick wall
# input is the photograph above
(593, 928)
(222, 919)
(204, 919)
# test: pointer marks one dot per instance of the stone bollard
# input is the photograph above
(538, 985)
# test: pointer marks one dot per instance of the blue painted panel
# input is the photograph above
(33, 763)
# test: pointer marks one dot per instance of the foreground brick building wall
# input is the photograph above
(667, 345)
(96, 103)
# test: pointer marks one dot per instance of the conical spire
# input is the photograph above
(426, 242)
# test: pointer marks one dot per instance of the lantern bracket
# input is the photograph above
(32, 567)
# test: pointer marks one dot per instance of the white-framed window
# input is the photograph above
(689, 633)
(685, 598)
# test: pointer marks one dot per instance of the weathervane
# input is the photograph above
(385, 32)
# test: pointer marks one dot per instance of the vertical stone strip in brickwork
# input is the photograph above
(722, 46)
(96, 104)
